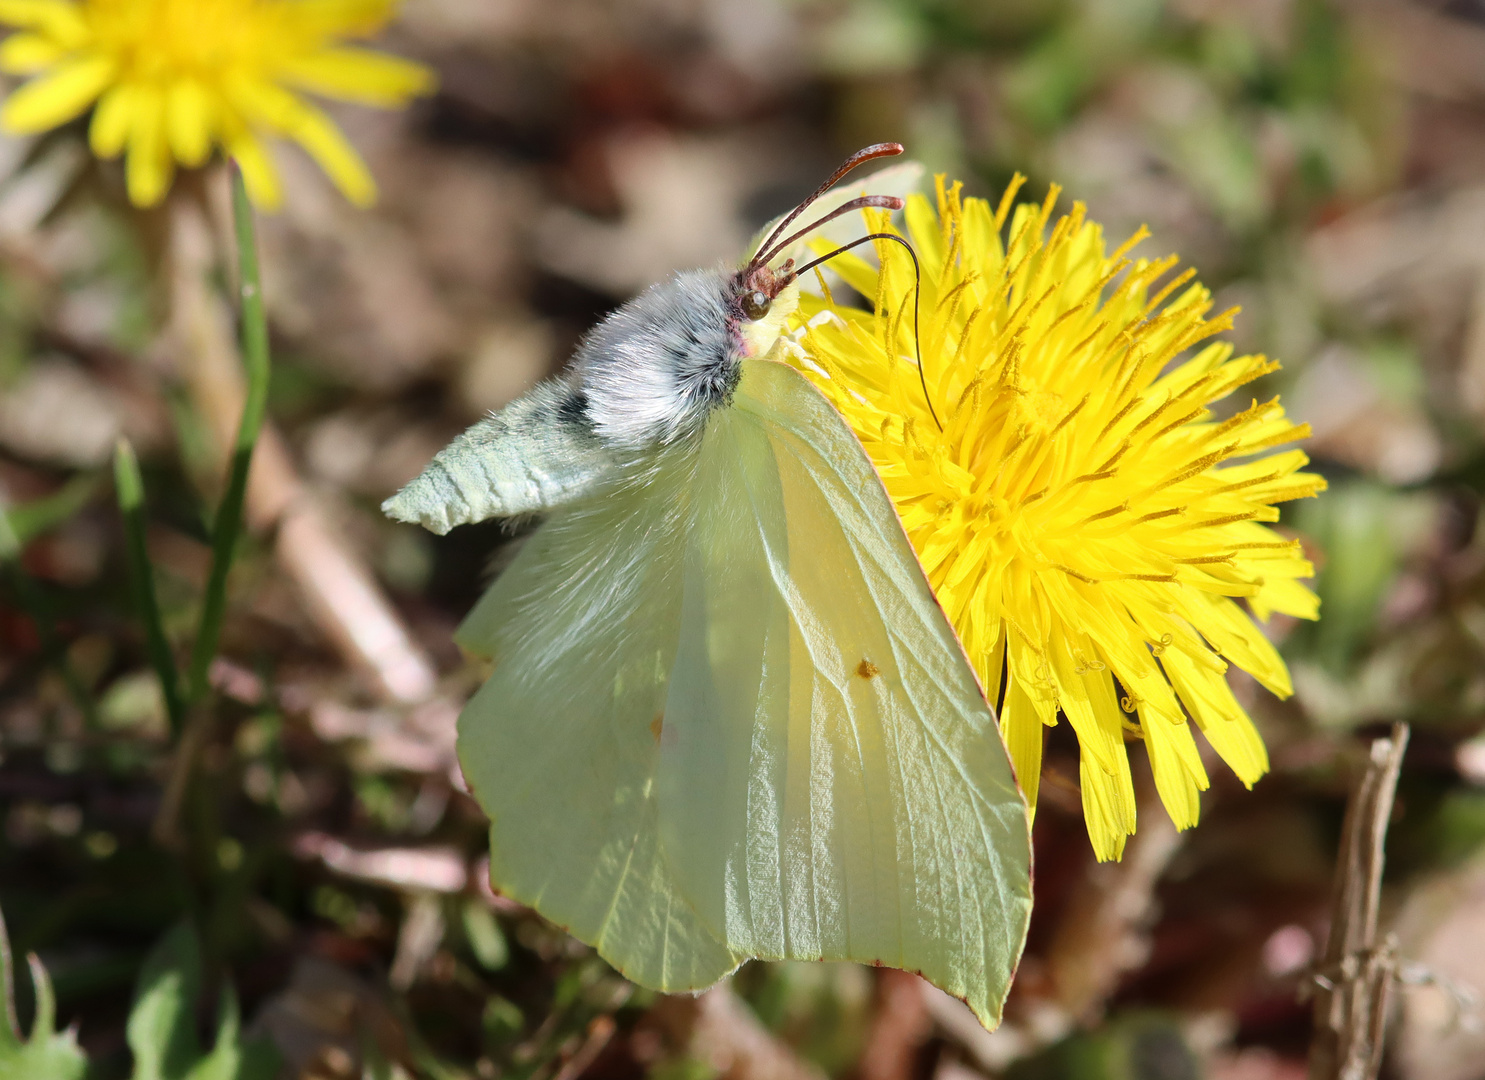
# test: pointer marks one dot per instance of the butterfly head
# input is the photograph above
(761, 301)
(654, 370)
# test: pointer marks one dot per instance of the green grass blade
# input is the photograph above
(44, 1023)
(10, 544)
(30, 519)
(129, 487)
(228, 524)
(10, 1023)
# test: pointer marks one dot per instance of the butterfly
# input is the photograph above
(727, 718)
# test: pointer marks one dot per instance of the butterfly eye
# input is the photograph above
(755, 304)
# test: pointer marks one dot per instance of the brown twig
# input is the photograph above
(600, 1034)
(900, 1026)
(719, 1029)
(1354, 978)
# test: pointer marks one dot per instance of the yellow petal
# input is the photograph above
(1231, 633)
(318, 134)
(1102, 810)
(189, 121)
(852, 269)
(360, 75)
(55, 98)
(258, 172)
(149, 168)
(1102, 741)
(1119, 794)
(989, 664)
(112, 120)
(1286, 596)
(1174, 759)
(923, 226)
(1211, 703)
(342, 17)
(26, 54)
(260, 103)
(60, 20)
(1021, 728)
(275, 107)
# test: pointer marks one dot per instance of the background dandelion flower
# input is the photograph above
(1086, 520)
(173, 79)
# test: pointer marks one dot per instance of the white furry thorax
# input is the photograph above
(654, 370)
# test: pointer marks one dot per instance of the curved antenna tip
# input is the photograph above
(860, 157)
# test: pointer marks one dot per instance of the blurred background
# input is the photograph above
(1322, 164)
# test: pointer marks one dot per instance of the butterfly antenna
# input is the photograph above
(879, 202)
(917, 292)
(860, 157)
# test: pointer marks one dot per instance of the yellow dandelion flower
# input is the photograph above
(1087, 521)
(173, 79)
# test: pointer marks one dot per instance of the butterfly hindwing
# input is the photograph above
(832, 783)
(560, 744)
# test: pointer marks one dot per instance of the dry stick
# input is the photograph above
(1355, 976)
(901, 1024)
(719, 1029)
(600, 1034)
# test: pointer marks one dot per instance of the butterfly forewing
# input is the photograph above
(832, 785)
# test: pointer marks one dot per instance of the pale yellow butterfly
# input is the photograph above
(727, 718)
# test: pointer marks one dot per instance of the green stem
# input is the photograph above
(129, 486)
(228, 522)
